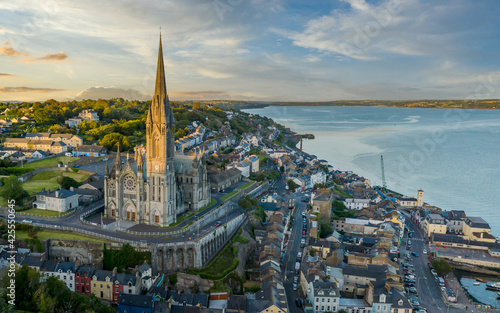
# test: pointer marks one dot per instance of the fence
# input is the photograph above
(93, 234)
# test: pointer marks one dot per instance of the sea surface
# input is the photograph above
(453, 155)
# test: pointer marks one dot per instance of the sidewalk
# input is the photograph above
(462, 299)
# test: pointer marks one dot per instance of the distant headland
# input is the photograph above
(428, 104)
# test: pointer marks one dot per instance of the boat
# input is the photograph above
(476, 284)
(481, 280)
(493, 286)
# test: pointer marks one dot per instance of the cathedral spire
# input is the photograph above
(118, 160)
(161, 86)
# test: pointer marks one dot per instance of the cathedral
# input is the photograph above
(163, 184)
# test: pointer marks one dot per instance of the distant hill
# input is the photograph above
(431, 104)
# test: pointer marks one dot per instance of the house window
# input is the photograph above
(101, 285)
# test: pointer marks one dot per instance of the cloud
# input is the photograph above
(27, 89)
(98, 92)
(5, 74)
(54, 57)
(9, 52)
(371, 31)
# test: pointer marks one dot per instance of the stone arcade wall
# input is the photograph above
(174, 256)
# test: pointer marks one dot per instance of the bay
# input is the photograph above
(451, 154)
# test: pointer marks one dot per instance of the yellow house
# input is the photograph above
(475, 228)
(102, 284)
(434, 223)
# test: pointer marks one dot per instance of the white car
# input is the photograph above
(26, 221)
(425, 251)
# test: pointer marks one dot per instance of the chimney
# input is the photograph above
(43, 189)
(57, 193)
(72, 188)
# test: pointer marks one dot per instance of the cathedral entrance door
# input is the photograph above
(157, 219)
(133, 216)
(128, 215)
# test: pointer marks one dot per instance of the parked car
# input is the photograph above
(414, 254)
(295, 286)
(298, 302)
(424, 251)
(68, 154)
(412, 290)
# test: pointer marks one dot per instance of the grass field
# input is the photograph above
(48, 180)
(245, 185)
(42, 212)
(229, 195)
(51, 162)
(47, 234)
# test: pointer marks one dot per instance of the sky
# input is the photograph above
(260, 50)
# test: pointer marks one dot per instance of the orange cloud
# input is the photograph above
(9, 52)
(27, 89)
(5, 74)
(54, 57)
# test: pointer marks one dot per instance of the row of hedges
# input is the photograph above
(15, 170)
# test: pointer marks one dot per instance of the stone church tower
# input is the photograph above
(166, 184)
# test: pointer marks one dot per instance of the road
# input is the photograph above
(428, 289)
(291, 254)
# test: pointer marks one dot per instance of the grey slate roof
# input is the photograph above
(66, 266)
(32, 261)
(136, 300)
(62, 193)
(48, 266)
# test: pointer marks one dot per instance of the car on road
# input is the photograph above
(26, 221)
(295, 279)
(218, 223)
(414, 254)
(434, 272)
(424, 251)
(412, 290)
(302, 243)
(295, 286)
(68, 154)
(298, 302)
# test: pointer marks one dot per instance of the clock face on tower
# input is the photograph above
(129, 183)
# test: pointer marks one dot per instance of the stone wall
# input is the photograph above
(72, 250)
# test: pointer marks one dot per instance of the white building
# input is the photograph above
(89, 115)
(357, 204)
(56, 200)
(253, 160)
(318, 178)
(324, 296)
(242, 166)
(65, 271)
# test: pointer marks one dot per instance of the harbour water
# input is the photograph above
(480, 293)
(453, 155)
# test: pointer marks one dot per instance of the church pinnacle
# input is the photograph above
(160, 106)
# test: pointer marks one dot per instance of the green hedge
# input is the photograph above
(15, 170)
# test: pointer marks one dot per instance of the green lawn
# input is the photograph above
(229, 195)
(48, 180)
(52, 162)
(245, 185)
(48, 234)
(41, 212)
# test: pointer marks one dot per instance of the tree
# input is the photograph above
(338, 205)
(67, 182)
(291, 185)
(111, 141)
(13, 189)
(442, 267)
(325, 229)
